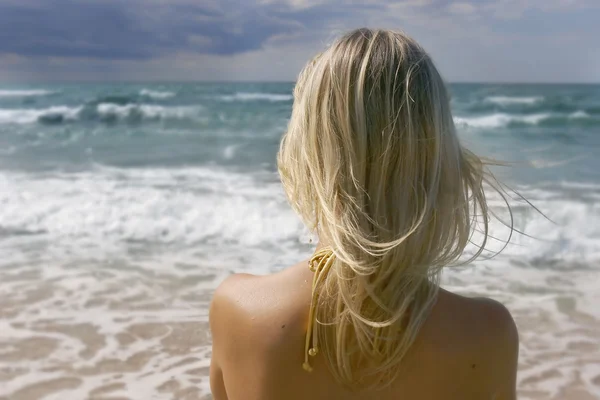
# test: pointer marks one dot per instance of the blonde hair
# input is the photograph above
(372, 162)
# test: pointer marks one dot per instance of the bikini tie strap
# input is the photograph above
(320, 263)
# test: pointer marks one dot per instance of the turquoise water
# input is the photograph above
(549, 135)
(239, 125)
(124, 187)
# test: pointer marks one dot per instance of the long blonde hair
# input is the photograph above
(371, 161)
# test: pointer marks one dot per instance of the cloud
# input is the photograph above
(132, 29)
(64, 28)
(138, 29)
(271, 39)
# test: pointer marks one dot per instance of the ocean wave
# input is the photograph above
(525, 105)
(215, 207)
(28, 116)
(579, 114)
(145, 111)
(185, 206)
(25, 93)
(568, 230)
(508, 100)
(156, 94)
(244, 96)
(540, 163)
(105, 112)
(500, 120)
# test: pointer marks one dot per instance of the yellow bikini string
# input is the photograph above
(320, 264)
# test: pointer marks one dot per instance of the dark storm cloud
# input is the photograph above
(499, 40)
(130, 29)
(144, 29)
(65, 28)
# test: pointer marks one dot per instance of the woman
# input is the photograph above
(372, 163)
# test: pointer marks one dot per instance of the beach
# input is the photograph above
(125, 205)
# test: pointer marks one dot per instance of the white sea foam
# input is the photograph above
(29, 116)
(229, 152)
(206, 205)
(156, 94)
(243, 96)
(137, 253)
(546, 163)
(580, 185)
(579, 115)
(25, 93)
(508, 100)
(569, 232)
(146, 110)
(111, 206)
(501, 119)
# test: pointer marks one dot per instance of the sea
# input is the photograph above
(122, 207)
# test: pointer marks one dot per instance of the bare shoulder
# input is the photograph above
(484, 317)
(257, 305)
(227, 303)
(500, 344)
(226, 291)
(489, 333)
(230, 320)
(224, 314)
(496, 320)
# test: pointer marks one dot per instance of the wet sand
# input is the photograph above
(103, 336)
(124, 333)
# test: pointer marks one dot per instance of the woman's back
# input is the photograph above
(467, 349)
(372, 164)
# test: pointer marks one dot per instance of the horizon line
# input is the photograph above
(204, 81)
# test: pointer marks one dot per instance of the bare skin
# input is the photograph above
(467, 348)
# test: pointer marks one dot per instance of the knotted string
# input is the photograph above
(320, 263)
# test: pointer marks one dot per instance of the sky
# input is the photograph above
(270, 40)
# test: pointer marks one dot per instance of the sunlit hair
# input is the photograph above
(372, 163)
